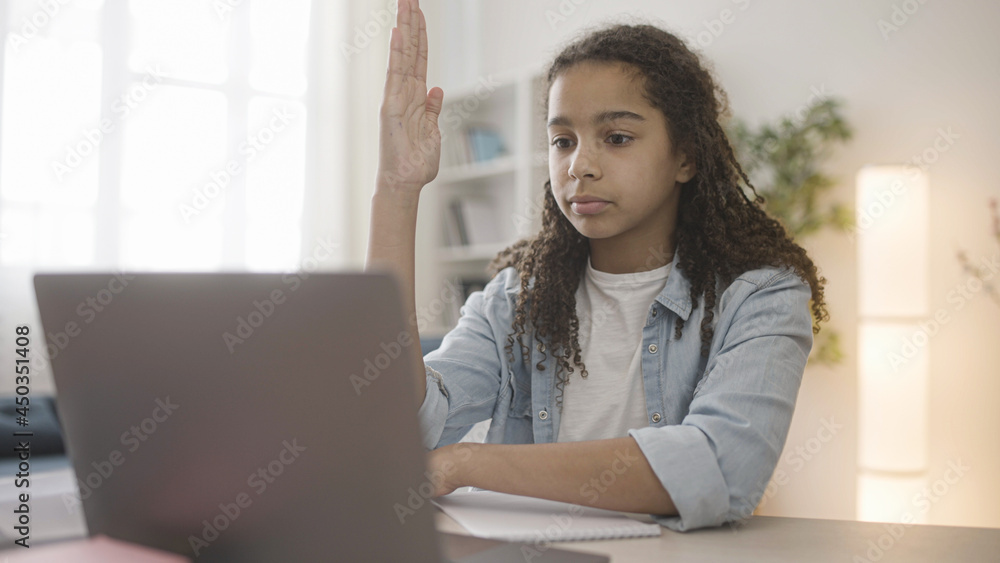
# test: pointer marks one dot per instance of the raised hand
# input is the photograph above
(409, 138)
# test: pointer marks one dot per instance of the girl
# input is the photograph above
(642, 352)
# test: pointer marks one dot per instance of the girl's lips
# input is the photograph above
(588, 207)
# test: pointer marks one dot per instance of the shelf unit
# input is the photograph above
(511, 183)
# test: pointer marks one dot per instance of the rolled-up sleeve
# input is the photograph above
(464, 375)
(716, 462)
(434, 410)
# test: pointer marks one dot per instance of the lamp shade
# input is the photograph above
(893, 370)
(892, 219)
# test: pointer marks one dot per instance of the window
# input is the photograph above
(151, 135)
(181, 135)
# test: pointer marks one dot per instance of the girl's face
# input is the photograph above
(610, 160)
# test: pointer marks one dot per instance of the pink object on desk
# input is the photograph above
(98, 549)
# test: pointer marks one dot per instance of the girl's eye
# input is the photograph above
(625, 139)
(617, 139)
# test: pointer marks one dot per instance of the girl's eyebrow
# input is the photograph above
(602, 117)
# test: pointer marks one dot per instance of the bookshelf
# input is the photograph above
(487, 195)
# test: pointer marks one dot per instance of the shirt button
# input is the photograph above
(656, 417)
(541, 347)
(543, 415)
(654, 312)
(652, 348)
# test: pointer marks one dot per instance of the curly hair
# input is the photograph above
(721, 232)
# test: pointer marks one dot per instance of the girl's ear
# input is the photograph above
(687, 169)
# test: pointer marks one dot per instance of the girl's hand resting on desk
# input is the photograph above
(409, 138)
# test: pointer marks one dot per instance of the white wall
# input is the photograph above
(940, 70)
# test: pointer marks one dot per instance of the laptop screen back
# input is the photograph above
(242, 417)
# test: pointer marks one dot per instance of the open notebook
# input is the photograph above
(488, 514)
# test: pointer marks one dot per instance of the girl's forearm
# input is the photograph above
(408, 159)
(611, 474)
(391, 245)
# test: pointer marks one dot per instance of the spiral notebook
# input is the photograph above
(487, 514)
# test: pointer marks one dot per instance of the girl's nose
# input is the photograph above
(583, 165)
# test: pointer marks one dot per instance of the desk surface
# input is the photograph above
(773, 539)
(760, 539)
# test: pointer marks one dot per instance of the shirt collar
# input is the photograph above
(676, 293)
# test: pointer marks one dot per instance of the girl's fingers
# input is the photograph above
(413, 37)
(422, 52)
(399, 66)
(404, 46)
(403, 21)
(407, 51)
(393, 75)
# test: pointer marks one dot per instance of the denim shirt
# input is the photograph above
(715, 426)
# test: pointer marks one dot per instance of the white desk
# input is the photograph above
(770, 539)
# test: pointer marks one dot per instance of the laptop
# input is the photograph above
(248, 417)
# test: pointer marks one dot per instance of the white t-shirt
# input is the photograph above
(612, 310)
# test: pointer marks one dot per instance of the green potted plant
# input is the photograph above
(783, 161)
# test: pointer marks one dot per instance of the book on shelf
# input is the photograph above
(472, 221)
(454, 234)
(473, 144)
(480, 219)
(468, 286)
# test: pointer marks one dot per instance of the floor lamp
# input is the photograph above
(893, 348)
